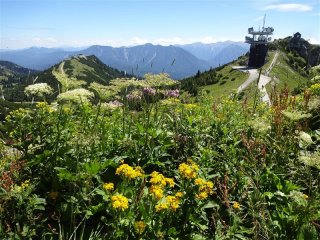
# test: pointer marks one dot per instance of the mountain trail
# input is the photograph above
(263, 81)
(61, 68)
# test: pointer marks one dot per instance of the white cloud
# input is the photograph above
(314, 41)
(290, 7)
(45, 42)
(138, 41)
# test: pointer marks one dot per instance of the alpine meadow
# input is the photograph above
(185, 140)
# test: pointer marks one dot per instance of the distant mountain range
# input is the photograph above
(217, 53)
(178, 61)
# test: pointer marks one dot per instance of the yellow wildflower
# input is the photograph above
(189, 170)
(17, 188)
(161, 206)
(25, 184)
(190, 106)
(108, 186)
(179, 194)
(305, 196)
(199, 181)
(140, 226)
(315, 88)
(173, 100)
(173, 202)
(120, 202)
(129, 172)
(170, 181)
(202, 195)
(157, 179)
(236, 206)
(41, 104)
(157, 191)
(205, 188)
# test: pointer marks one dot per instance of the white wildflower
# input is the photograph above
(305, 138)
(38, 90)
(77, 95)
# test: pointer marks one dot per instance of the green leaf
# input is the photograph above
(93, 167)
(307, 231)
(268, 194)
(173, 231)
(211, 204)
(198, 237)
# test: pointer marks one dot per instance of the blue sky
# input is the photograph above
(48, 23)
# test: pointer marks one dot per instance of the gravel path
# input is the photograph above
(263, 81)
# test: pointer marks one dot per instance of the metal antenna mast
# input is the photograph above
(259, 44)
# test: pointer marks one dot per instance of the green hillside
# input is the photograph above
(291, 69)
(12, 78)
(74, 72)
(11, 73)
(284, 74)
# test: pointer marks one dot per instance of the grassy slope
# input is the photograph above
(227, 86)
(11, 73)
(78, 71)
(283, 74)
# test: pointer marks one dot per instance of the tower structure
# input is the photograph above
(258, 45)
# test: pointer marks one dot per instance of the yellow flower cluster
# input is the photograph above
(44, 106)
(129, 172)
(159, 179)
(236, 206)
(190, 106)
(108, 186)
(170, 202)
(161, 206)
(120, 202)
(315, 88)
(41, 104)
(173, 202)
(156, 191)
(158, 182)
(23, 186)
(140, 226)
(205, 188)
(173, 100)
(189, 170)
(179, 194)
(17, 114)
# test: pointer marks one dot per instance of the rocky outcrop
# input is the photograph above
(311, 53)
(314, 56)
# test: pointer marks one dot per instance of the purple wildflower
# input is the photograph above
(133, 97)
(149, 91)
(173, 93)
